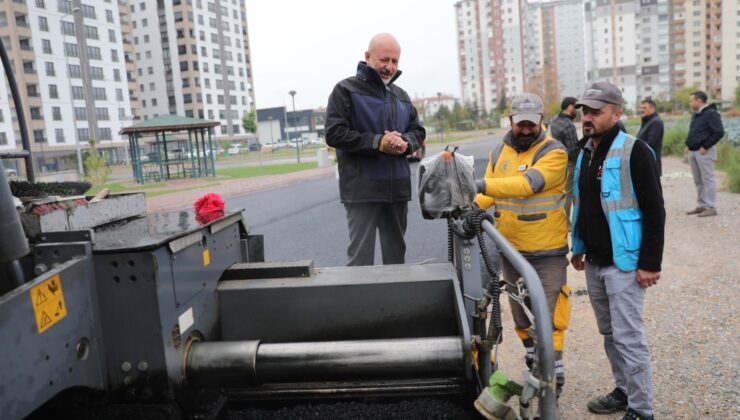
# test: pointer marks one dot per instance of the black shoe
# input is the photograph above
(634, 415)
(609, 403)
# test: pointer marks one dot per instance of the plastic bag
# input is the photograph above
(446, 184)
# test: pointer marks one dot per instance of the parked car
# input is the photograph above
(255, 147)
(235, 149)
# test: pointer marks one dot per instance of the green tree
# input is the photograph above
(249, 123)
(96, 167)
(737, 96)
(681, 98)
(442, 117)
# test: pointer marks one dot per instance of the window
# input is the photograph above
(43, 24)
(80, 113)
(59, 134)
(117, 75)
(74, 71)
(36, 113)
(146, 39)
(38, 136)
(119, 94)
(70, 50)
(89, 12)
(154, 102)
(114, 55)
(187, 98)
(144, 22)
(78, 92)
(50, 69)
(111, 35)
(3, 139)
(150, 70)
(68, 28)
(56, 113)
(40, 4)
(99, 93)
(93, 53)
(91, 32)
(104, 133)
(64, 6)
(46, 46)
(53, 93)
(83, 134)
(96, 73)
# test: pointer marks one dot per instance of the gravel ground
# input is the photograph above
(691, 317)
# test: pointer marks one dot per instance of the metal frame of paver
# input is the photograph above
(201, 163)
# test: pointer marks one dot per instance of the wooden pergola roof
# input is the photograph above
(169, 123)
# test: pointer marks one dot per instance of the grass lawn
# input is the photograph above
(249, 171)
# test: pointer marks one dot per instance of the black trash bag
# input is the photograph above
(446, 184)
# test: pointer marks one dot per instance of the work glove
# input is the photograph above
(480, 186)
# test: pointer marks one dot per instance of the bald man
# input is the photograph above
(373, 126)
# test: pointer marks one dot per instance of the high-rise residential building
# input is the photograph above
(193, 59)
(555, 60)
(481, 54)
(610, 45)
(69, 66)
(653, 49)
(706, 50)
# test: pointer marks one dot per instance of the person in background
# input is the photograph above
(563, 130)
(651, 129)
(705, 130)
(373, 126)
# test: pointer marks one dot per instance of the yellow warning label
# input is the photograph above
(206, 258)
(47, 299)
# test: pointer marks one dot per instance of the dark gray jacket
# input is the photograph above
(706, 128)
(651, 132)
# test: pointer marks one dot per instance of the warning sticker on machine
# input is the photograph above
(48, 303)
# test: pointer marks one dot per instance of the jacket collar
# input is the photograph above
(649, 117)
(369, 75)
(570, 117)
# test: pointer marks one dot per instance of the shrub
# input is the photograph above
(673, 139)
(728, 160)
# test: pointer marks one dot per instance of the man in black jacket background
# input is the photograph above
(563, 129)
(651, 129)
(373, 125)
(705, 131)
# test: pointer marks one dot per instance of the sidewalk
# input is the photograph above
(228, 188)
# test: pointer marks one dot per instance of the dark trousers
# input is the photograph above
(364, 219)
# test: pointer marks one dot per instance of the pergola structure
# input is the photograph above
(172, 158)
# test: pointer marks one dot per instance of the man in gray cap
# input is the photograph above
(618, 226)
(525, 181)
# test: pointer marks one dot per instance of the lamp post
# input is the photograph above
(439, 118)
(297, 145)
(80, 167)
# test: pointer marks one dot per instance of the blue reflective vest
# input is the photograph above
(619, 202)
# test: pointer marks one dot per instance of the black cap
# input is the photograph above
(600, 94)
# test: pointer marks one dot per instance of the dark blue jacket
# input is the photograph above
(651, 132)
(706, 129)
(360, 110)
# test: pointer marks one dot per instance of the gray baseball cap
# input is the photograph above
(527, 107)
(600, 94)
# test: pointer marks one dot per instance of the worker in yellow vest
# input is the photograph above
(525, 184)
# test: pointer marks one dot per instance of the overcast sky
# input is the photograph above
(309, 45)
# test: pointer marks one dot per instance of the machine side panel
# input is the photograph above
(36, 366)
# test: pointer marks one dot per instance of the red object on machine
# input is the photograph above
(208, 208)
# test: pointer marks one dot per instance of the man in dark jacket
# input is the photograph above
(705, 131)
(651, 129)
(618, 238)
(563, 129)
(373, 126)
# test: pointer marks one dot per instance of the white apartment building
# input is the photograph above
(610, 45)
(193, 59)
(653, 49)
(65, 101)
(481, 52)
